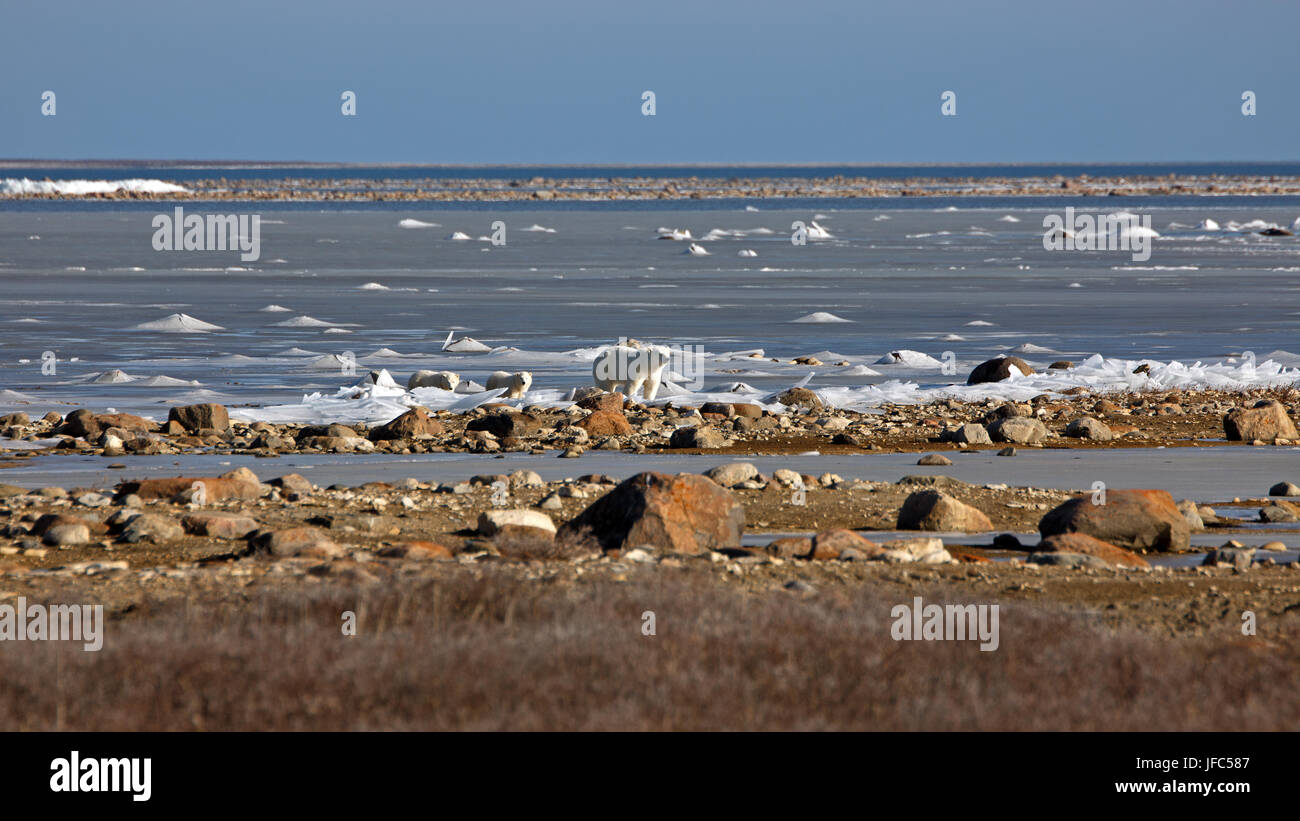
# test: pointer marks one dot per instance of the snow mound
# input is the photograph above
(820, 317)
(303, 321)
(912, 359)
(178, 323)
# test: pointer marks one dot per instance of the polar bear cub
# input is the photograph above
(516, 384)
(631, 369)
(433, 379)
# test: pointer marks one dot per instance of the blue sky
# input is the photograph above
(561, 81)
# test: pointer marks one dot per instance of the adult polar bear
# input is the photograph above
(631, 368)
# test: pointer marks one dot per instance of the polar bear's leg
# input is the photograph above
(652, 385)
(655, 365)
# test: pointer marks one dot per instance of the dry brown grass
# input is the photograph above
(498, 653)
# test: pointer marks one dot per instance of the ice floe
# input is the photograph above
(81, 188)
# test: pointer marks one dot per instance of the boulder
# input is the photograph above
(1086, 545)
(152, 527)
(732, 473)
(1239, 557)
(922, 551)
(718, 409)
(703, 437)
(237, 484)
(1073, 561)
(841, 543)
(66, 534)
(934, 460)
(1007, 410)
(970, 433)
(50, 520)
(612, 402)
(998, 369)
(935, 510)
(1192, 514)
(1266, 421)
(1279, 512)
(293, 483)
(606, 423)
(1019, 430)
(1088, 428)
(532, 524)
(218, 525)
(206, 416)
(419, 550)
(1284, 489)
(297, 541)
(82, 423)
(685, 513)
(413, 423)
(790, 547)
(1131, 519)
(506, 424)
(799, 398)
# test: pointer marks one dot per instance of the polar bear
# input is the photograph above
(516, 384)
(629, 370)
(433, 379)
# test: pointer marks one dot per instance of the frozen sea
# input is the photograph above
(925, 277)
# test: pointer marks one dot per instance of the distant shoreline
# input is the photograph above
(587, 188)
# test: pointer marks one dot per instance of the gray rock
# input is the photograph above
(66, 535)
(152, 527)
(1019, 430)
(1238, 557)
(1278, 513)
(970, 433)
(703, 437)
(1089, 428)
(1069, 560)
(1193, 516)
(732, 473)
(934, 459)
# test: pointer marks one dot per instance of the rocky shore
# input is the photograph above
(612, 422)
(240, 526)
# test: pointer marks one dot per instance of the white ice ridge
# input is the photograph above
(178, 323)
(80, 188)
(381, 403)
(821, 316)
